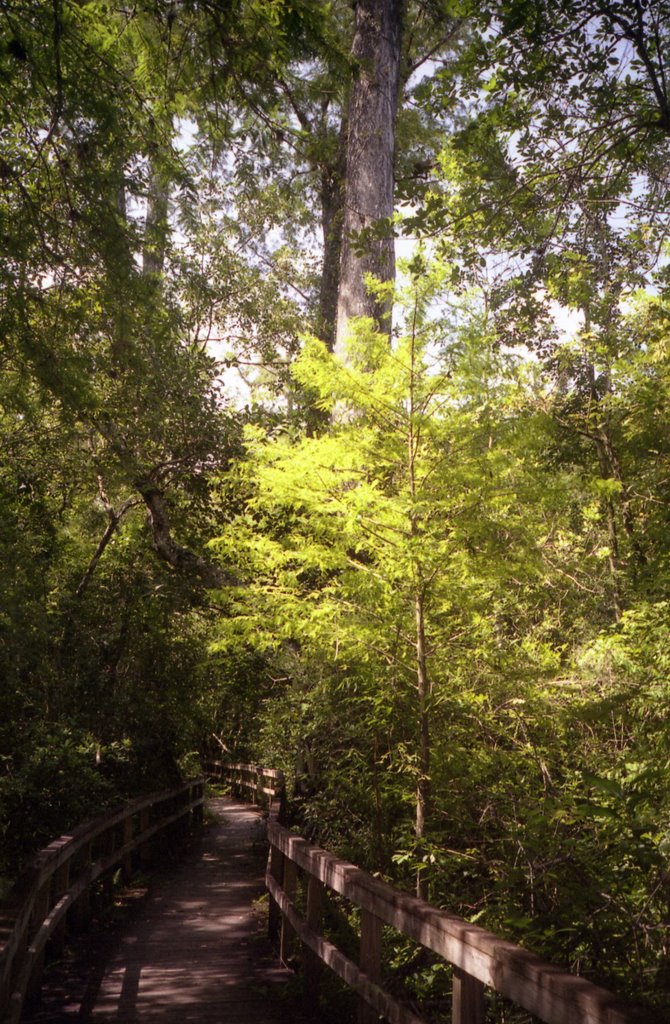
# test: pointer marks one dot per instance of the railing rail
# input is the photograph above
(265, 786)
(480, 959)
(61, 876)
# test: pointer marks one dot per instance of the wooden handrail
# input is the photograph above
(480, 959)
(264, 785)
(60, 878)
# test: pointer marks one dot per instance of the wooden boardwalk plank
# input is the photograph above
(196, 953)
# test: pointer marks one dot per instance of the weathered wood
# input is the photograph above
(81, 911)
(467, 1006)
(193, 952)
(196, 799)
(109, 847)
(370, 960)
(65, 847)
(314, 919)
(287, 931)
(385, 1005)
(248, 779)
(549, 992)
(479, 957)
(127, 863)
(276, 807)
(29, 920)
(276, 871)
(269, 773)
(29, 977)
(144, 851)
(61, 886)
(41, 907)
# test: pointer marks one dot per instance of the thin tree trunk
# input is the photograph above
(608, 459)
(369, 190)
(423, 691)
(114, 518)
(379, 834)
(155, 226)
(121, 325)
(144, 479)
(423, 686)
(611, 457)
(331, 193)
(602, 446)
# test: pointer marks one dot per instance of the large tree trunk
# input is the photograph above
(369, 190)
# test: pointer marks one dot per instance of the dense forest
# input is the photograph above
(335, 352)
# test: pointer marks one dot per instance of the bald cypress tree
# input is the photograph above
(369, 191)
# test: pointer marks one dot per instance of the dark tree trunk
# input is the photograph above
(332, 220)
(156, 226)
(369, 191)
(169, 550)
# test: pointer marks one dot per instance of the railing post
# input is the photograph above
(287, 933)
(467, 1005)
(41, 908)
(61, 886)
(370, 960)
(276, 870)
(108, 848)
(81, 911)
(197, 813)
(313, 917)
(144, 850)
(128, 857)
(30, 926)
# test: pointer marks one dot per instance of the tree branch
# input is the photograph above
(114, 518)
(167, 548)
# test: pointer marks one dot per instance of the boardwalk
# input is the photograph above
(196, 953)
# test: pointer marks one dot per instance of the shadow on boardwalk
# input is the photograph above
(194, 951)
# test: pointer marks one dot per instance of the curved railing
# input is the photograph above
(479, 958)
(60, 878)
(265, 786)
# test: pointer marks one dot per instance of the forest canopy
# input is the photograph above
(335, 378)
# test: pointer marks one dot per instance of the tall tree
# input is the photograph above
(368, 247)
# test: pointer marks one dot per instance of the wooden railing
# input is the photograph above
(62, 876)
(263, 786)
(479, 958)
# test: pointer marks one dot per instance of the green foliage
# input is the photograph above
(53, 782)
(543, 778)
(454, 584)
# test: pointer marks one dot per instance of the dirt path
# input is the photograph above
(195, 952)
